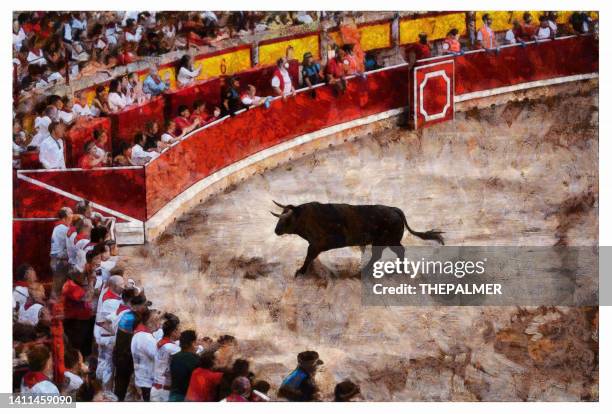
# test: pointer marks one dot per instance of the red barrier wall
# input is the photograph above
(513, 65)
(127, 123)
(120, 189)
(247, 133)
(32, 244)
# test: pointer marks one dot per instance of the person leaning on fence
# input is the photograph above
(451, 44)
(335, 71)
(281, 80)
(312, 73)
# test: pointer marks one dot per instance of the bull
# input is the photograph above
(333, 226)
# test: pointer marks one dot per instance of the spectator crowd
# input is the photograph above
(117, 345)
(49, 47)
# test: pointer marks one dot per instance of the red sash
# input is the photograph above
(279, 75)
(110, 295)
(163, 342)
(141, 328)
(122, 308)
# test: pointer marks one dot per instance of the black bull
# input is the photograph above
(332, 226)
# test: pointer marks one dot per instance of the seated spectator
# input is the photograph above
(250, 99)
(281, 81)
(419, 50)
(345, 391)
(65, 114)
(90, 158)
(544, 32)
(135, 89)
(36, 381)
(42, 123)
(231, 97)
(152, 137)
(451, 44)
(100, 105)
(552, 22)
(184, 124)
(169, 136)
(370, 62)
(513, 35)
(33, 311)
(51, 152)
(300, 384)
(139, 156)
(204, 382)
(36, 56)
(153, 85)
(116, 98)
(182, 364)
(124, 155)
(186, 74)
(335, 71)
(200, 113)
(100, 137)
(59, 249)
(241, 390)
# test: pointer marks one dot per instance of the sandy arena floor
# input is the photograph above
(523, 173)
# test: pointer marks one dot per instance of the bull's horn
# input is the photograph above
(279, 204)
(275, 214)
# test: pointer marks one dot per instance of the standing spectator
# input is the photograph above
(513, 35)
(485, 38)
(204, 383)
(166, 347)
(231, 97)
(103, 332)
(90, 157)
(240, 368)
(73, 362)
(100, 137)
(551, 16)
(59, 249)
(144, 349)
(281, 81)
(36, 381)
(51, 153)
(528, 28)
(311, 72)
(42, 123)
(241, 390)
(25, 277)
(300, 384)
(451, 44)
(182, 365)
(78, 316)
(186, 73)
(345, 391)
(153, 85)
(419, 50)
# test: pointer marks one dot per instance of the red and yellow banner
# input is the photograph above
(436, 27)
(224, 63)
(269, 53)
(375, 36)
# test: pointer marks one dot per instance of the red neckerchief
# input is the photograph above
(163, 341)
(58, 222)
(21, 283)
(141, 328)
(71, 230)
(31, 378)
(110, 295)
(122, 308)
(80, 237)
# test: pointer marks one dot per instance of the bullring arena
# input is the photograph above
(493, 147)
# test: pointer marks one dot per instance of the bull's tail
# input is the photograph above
(425, 235)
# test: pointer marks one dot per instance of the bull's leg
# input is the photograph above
(310, 256)
(399, 251)
(377, 252)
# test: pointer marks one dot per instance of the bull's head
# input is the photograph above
(286, 220)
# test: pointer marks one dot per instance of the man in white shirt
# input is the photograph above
(144, 350)
(544, 31)
(166, 347)
(59, 249)
(139, 155)
(36, 381)
(51, 153)
(105, 338)
(281, 81)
